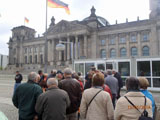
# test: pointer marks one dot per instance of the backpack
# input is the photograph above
(144, 114)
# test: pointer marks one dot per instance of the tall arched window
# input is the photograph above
(133, 51)
(145, 51)
(113, 53)
(123, 52)
(103, 53)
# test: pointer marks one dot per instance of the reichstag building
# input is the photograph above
(132, 48)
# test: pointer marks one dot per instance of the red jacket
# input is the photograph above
(107, 89)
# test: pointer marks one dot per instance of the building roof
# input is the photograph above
(93, 17)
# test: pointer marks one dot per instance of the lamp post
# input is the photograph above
(61, 47)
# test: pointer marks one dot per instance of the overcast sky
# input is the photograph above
(13, 12)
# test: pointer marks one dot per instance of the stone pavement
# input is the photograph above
(6, 106)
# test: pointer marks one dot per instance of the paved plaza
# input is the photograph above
(6, 106)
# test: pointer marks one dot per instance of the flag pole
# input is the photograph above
(46, 44)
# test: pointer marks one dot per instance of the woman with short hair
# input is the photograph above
(124, 110)
(143, 88)
(96, 104)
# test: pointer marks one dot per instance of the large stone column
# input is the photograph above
(117, 45)
(76, 47)
(68, 49)
(60, 53)
(53, 50)
(127, 44)
(107, 46)
(28, 54)
(85, 46)
(33, 50)
(154, 41)
(49, 50)
(38, 56)
(139, 43)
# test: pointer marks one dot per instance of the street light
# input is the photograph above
(61, 47)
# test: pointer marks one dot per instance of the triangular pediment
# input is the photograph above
(65, 26)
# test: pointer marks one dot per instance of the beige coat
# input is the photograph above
(101, 107)
(125, 111)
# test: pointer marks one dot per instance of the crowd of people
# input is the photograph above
(67, 95)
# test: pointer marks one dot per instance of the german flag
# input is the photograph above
(26, 20)
(58, 4)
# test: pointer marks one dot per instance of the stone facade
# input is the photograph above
(92, 38)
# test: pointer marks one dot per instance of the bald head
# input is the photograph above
(32, 76)
(52, 82)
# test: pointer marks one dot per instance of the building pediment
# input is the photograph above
(65, 26)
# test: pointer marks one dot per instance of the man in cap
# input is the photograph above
(72, 87)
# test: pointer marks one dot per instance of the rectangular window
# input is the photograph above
(26, 60)
(101, 67)
(155, 68)
(30, 57)
(88, 67)
(103, 42)
(25, 50)
(109, 66)
(145, 37)
(133, 38)
(41, 49)
(35, 50)
(41, 56)
(30, 50)
(143, 68)
(79, 67)
(156, 82)
(35, 59)
(122, 40)
(112, 41)
(124, 68)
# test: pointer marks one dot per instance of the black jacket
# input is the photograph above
(120, 82)
(18, 78)
(72, 87)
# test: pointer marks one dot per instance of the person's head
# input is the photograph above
(143, 82)
(93, 68)
(79, 73)
(45, 75)
(113, 71)
(53, 71)
(17, 72)
(38, 78)
(52, 82)
(90, 74)
(132, 84)
(67, 72)
(59, 75)
(109, 72)
(98, 79)
(32, 76)
(75, 75)
(40, 72)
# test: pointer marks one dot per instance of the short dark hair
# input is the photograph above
(132, 83)
(79, 73)
(98, 79)
(39, 72)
